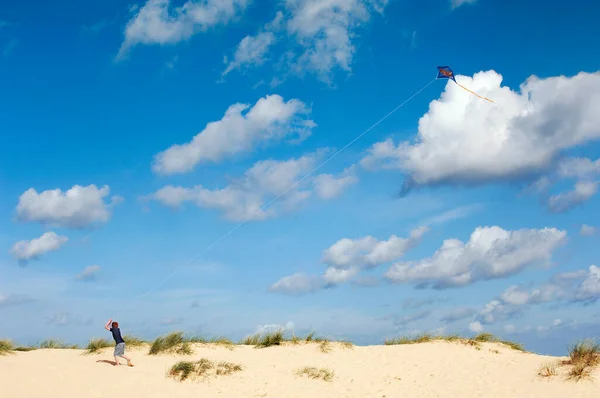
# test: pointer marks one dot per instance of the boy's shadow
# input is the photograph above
(113, 363)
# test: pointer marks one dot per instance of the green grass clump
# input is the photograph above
(97, 345)
(583, 358)
(6, 347)
(56, 344)
(317, 374)
(473, 341)
(184, 370)
(24, 349)
(172, 343)
(133, 341)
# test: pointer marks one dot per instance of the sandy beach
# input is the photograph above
(434, 369)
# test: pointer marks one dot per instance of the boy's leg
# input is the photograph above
(116, 360)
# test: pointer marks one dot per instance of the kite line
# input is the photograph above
(274, 199)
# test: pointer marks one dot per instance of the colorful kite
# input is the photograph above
(444, 72)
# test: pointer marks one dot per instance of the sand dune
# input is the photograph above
(434, 369)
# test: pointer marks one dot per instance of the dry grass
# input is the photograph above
(278, 337)
(317, 374)
(473, 341)
(325, 346)
(547, 370)
(583, 358)
(6, 347)
(203, 368)
(172, 343)
(56, 345)
(96, 345)
(133, 341)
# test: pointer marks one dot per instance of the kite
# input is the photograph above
(444, 72)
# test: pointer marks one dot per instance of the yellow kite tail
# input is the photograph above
(487, 99)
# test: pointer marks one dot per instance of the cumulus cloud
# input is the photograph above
(325, 30)
(251, 197)
(565, 201)
(464, 140)
(476, 327)
(329, 186)
(241, 130)
(297, 284)
(346, 258)
(287, 327)
(252, 49)
(579, 286)
(587, 230)
(78, 207)
(88, 273)
(490, 253)
(156, 22)
(33, 249)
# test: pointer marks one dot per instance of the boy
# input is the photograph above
(120, 343)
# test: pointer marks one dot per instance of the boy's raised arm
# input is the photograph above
(107, 323)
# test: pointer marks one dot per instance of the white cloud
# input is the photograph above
(271, 118)
(457, 3)
(582, 192)
(78, 207)
(578, 168)
(88, 273)
(463, 139)
(325, 30)
(329, 186)
(33, 249)
(297, 284)
(287, 327)
(347, 257)
(589, 289)
(458, 314)
(252, 50)
(476, 327)
(247, 197)
(13, 299)
(156, 22)
(490, 253)
(587, 230)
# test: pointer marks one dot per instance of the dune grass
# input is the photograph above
(472, 341)
(278, 337)
(172, 343)
(203, 368)
(96, 345)
(547, 370)
(56, 344)
(317, 374)
(584, 356)
(6, 347)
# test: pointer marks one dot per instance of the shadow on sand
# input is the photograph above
(113, 363)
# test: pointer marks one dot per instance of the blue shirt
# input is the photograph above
(116, 332)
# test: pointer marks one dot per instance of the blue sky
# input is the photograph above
(135, 136)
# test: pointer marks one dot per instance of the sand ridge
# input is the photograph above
(433, 369)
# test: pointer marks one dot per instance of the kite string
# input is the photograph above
(472, 92)
(274, 199)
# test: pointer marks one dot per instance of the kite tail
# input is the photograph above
(463, 87)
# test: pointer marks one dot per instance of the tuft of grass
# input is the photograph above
(96, 345)
(172, 343)
(325, 346)
(133, 341)
(547, 370)
(314, 373)
(513, 345)
(585, 353)
(579, 372)
(56, 344)
(485, 338)
(347, 344)
(184, 370)
(271, 339)
(6, 347)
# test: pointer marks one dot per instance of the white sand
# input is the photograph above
(438, 369)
